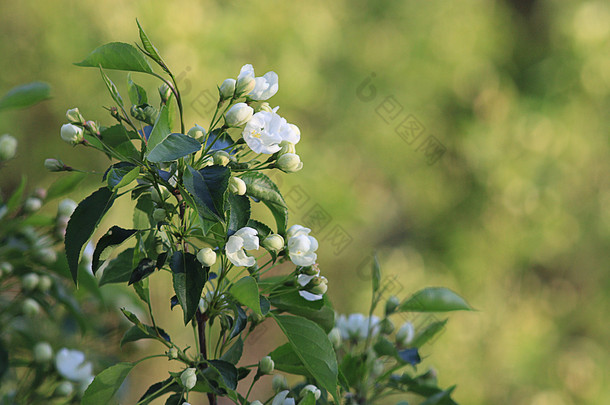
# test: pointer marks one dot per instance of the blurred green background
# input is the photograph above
(513, 215)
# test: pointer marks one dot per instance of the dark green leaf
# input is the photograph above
(117, 56)
(106, 384)
(137, 94)
(208, 187)
(136, 333)
(158, 389)
(175, 399)
(15, 199)
(227, 371)
(440, 398)
(428, 333)
(115, 236)
(353, 368)
(83, 222)
(3, 360)
(173, 147)
(383, 347)
(245, 290)
(311, 344)
(289, 300)
(241, 319)
(25, 95)
(434, 299)
(119, 269)
(189, 279)
(234, 353)
(309, 399)
(160, 130)
(64, 185)
(144, 268)
(262, 188)
(286, 359)
(262, 229)
(239, 212)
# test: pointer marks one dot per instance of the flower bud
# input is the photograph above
(64, 389)
(264, 107)
(238, 115)
(43, 352)
(197, 132)
(66, 207)
(405, 334)
(72, 134)
(165, 93)
(289, 163)
(54, 165)
(159, 198)
(391, 305)
(378, 367)
(221, 158)
(172, 353)
(273, 242)
(189, 378)
(8, 147)
(335, 337)
(237, 186)
(30, 307)
(45, 283)
(311, 388)
(245, 81)
(92, 127)
(207, 161)
(279, 383)
(74, 116)
(6, 268)
(319, 287)
(32, 204)
(46, 255)
(266, 365)
(206, 256)
(256, 402)
(227, 89)
(287, 147)
(159, 214)
(30, 281)
(386, 326)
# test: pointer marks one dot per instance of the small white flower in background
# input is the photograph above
(280, 399)
(238, 115)
(8, 147)
(45, 283)
(289, 163)
(279, 383)
(71, 134)
(356, 326)
(227, 88)
(196, 132)
(32, 204)
(189, 378)
(206, 256)
(256, 402)
(237, 186)
(54, 165)
(311, 388)
(71, 365)
(301, 246)
(405, 334)
(66, 207)
(245, 80)
(30, 307)
(43, 352)
(46, 255)
(244, 239)
(335, 337)
(30, 281)
(64, 389)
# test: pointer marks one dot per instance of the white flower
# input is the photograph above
(242, 240)
(290, 133)
(239, 114)
(301, 246)
(189, 378)
(206, 256)
(8, 147)
(356, 326)
(32, 204)
(262, 132)
(265, 87)
(245, 81)
(280, 399)
(43, 352)
(311, 388)
(71, 365)
(66, 207)
(71, 134)
(314, 286)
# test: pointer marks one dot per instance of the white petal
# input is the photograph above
(309, 296)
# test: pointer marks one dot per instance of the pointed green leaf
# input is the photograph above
(173, 147)
(117, 56)
(286, 359)
(106, 384)
(136, 333)
(376, 273)
(144, 269)
(160, 130)
(239, 212)
(149, 47)
(262, 188)
(434, 299)
(311, 344)
(245, 290)
(234, 353)
(83, 222)
(208, 187)
(64, 185)
(118, 269)
(424, 335)
(25, 95)
(113, 237)
(189, 279)
(137, 94)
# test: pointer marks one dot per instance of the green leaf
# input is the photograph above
(136, 333)
(142, 290)
(15, 199)
(434, 299)
(189, 279)
(113, 237)
(208, 187)
(234, 353)
(64, 185)
(424, 335)
(289, 300)
(3, 360)
(376, 275)
(173, 147)
(239, 212)
(309, 399)
(121, 174)
(245, 290)
(117, 56)
(144, 268)
(114, 91)
(227, 371)
(150, 48)
(25, 95)
(311, 344)
(159, 389)
(137, 94)
(286, 359)
(106, 384)
(175, 399)
(440, 398)
(83, 222)
(262, 188)
(160, 130)
(119, 269)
